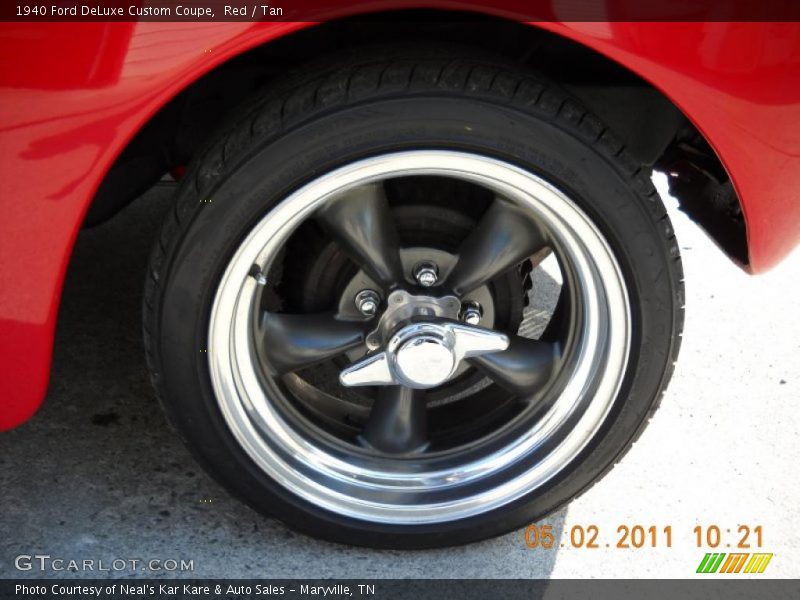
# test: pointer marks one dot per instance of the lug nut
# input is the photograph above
(426, 274)
(471, 313)
(367, 302)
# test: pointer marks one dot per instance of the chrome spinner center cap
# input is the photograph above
(423, 355)
(424, 361)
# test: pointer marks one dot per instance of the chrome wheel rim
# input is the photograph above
(411, 490)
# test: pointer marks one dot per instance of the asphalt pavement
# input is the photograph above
(98, 474)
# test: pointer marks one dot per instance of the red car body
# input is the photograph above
(73, 95)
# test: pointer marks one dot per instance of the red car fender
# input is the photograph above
(73, 95)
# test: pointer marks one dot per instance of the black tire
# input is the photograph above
(363, 107)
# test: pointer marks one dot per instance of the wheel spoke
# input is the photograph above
(360, 221)
(294, 341)
(523, 368)
(504, 237)
(398, 422)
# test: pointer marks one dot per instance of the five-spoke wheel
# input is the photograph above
(554, 391)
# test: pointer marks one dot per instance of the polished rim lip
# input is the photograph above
(249, 414)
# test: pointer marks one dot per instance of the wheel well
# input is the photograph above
(654, 130)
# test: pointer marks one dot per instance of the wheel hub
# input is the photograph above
(424, 354)
(402, 307)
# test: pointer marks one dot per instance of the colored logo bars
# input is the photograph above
(734, 563)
